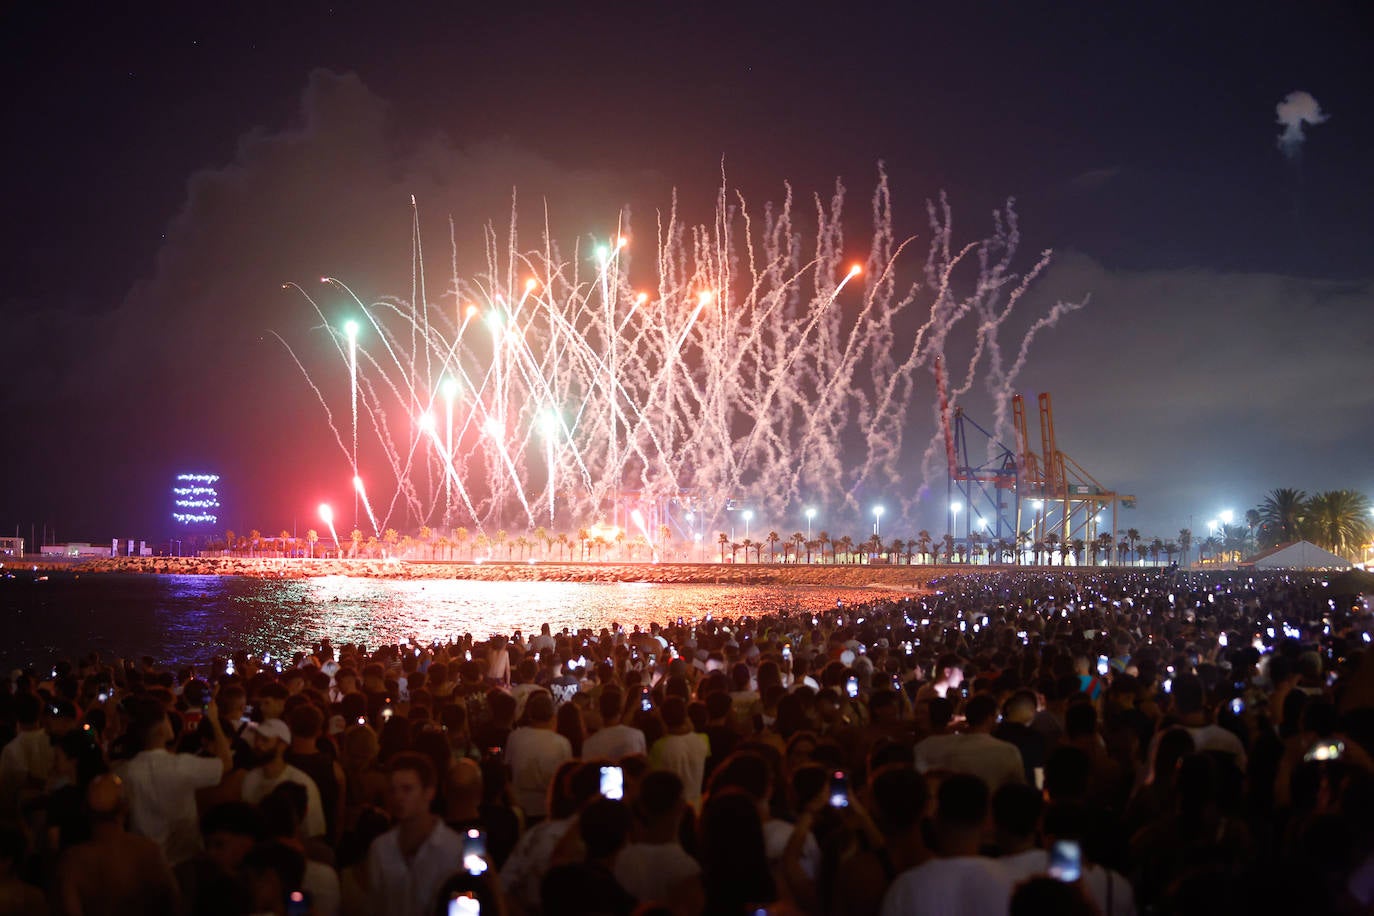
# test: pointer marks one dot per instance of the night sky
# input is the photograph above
(167, 169)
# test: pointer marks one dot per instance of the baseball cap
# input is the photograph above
(272, 728)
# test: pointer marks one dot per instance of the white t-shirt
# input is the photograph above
(992, 760)
(162, 798)
(257, 786)
(962, 886)
(1109, 890)
(27, 757)
(614, 743)
(651, 871)
(686, 756)
(534, 755)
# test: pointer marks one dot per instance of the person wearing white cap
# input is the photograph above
(270, 740)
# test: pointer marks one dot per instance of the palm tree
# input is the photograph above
(373, 546)
(1339, 521)
(1052, 543)
(665, 534)
(389, 537)
(822, 539)
(1076, 549)
(1281, 516)
(923, 542)
(798, 542)
(1123, 552)
(282, 537)
(773, 538)
(948, 541)
(563, 542)
(894, 550)
(724, 541)
(442, 543)
(254, 542)
(541, 536)
(1170, 548)
(748, 544)
(734, 551)
(1156, 545)
(1038, 553)
(312, 537)
(1132, 537)
(1185, 542)
(1209, 545)
(500, 541)
(481, 544)
(845, 544)
(461, 536)
(975, 546)
(1233, 540)
(229, 540)
(427, 539)
(523, 544)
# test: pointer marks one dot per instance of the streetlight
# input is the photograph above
(1226, 516)
(810, 514)
(877, 516)
(748, 517)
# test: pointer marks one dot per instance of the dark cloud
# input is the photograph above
(1198, 390)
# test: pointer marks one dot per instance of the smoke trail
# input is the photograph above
(1296, 109)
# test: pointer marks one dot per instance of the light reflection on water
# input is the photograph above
(190, 618)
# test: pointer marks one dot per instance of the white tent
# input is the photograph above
(1296, 555)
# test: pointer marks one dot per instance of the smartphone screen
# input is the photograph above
(464, 904)
(851, 687)
(1237, 706)
(646, 700)
(1103, 666)
(1066, 861)
(1039, 779)
(839, 790)
(298, 903)
(613, 783)
(475, 851)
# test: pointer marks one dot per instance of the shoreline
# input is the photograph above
(914, 578)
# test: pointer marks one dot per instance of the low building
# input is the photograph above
(11, 547)
(74, 549)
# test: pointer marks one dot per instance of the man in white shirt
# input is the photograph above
(534, 753)
(961, 882)
(26, 761)
(615, 740)
(1189, 704)
(656, 867)
(270, 742)
(162, 786)
(681, 751)
(974, 751)
(407, 865)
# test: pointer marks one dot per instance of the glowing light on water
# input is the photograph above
(753, 362)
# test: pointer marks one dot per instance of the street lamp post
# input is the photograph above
(954, 508)
(877, 518)
(748, 517)
(810, 514)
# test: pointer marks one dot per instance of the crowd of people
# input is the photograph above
(1093, 741)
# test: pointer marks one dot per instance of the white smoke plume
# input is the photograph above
(1296, 109)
